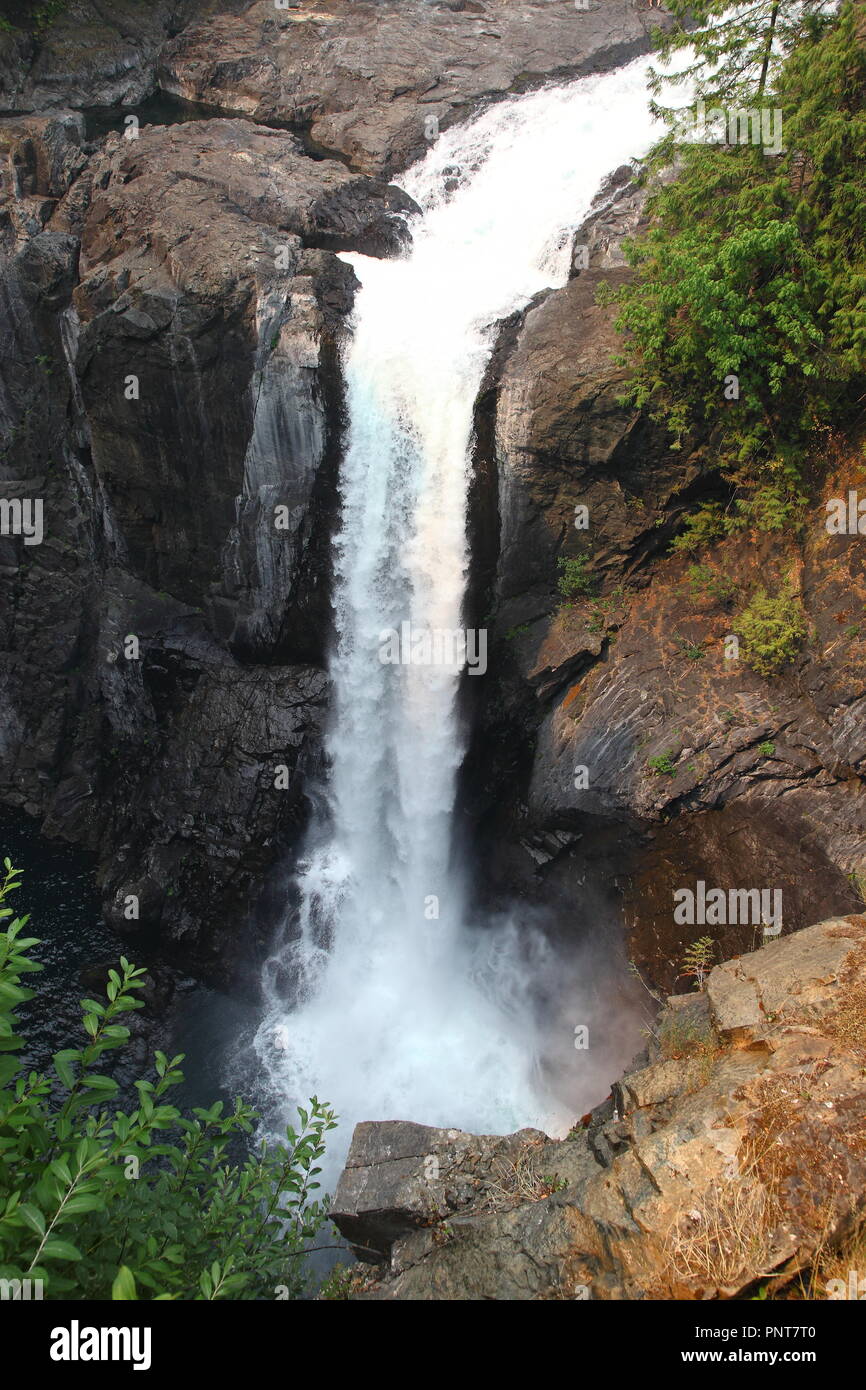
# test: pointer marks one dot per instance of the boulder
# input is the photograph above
(399, 1176)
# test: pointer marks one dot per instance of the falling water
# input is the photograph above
(387, 1004)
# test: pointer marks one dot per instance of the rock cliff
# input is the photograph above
(172, 395)
(619, 753)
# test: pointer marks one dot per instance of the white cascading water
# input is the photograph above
(392, 1012)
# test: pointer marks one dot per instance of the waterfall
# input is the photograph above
(383, 1000)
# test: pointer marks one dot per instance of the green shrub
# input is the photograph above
(702, 528)
(693, 650)
(777, 507)
(663, 765)
(698, 961)
(772, 628)
(573, 578)
(704, 580)
(142, 1202)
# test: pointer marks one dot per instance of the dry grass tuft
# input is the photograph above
(723, 1241)
(680, 1037)
(846, 1024)
(518, 1182)
(830, 1263)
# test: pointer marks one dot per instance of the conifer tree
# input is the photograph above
(733, 52)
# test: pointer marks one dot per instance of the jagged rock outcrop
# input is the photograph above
(617, 741)
(171, 394)
(88, 53)
(40, 156)
(728, 1155)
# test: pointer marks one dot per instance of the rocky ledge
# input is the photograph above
(729, 1153)
(363, 77)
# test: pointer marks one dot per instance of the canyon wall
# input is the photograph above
(173, 314)
(619, 754)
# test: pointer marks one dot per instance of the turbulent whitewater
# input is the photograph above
(383, 999)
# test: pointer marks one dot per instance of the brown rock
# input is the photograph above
(737, 1163)
(361, 77)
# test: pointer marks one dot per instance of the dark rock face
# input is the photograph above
(237, 213)
(730, 1151)
(763, 780)
(92, 52)
(171, 394)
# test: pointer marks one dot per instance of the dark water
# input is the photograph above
(59, 894)
(160, 109)
(58, 891)
(165, 109)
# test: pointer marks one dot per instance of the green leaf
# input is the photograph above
(9, 1067)
(64, 1071)
(82, 1202)
(101, 1083)
(54, 1249)
(33, 1217)
(123, 1288)
(14, 993)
